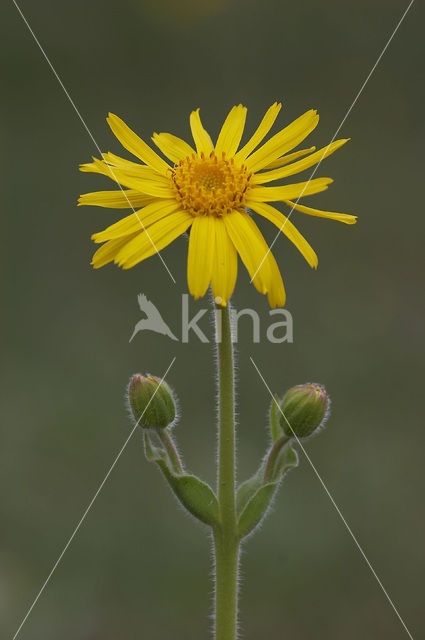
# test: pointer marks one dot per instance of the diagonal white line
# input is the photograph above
(90, 133)
(336, 133)
(338, 510)
(102, 484)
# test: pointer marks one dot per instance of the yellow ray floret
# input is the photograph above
(201, 253)
(122, 199)
(261, 132)
(289, 157)
(211, 190)
(225, 263)
(231, 132)
(330, 215)
(297, 167)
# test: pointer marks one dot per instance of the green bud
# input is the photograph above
(306, 408)
(151, 401)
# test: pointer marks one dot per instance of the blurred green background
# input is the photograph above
(138, 568)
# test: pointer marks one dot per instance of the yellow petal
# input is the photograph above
(173, 147)
(251, 246)
(107, 252)
(202, 139)
(297, 190)
(260, 133)
(283, 141)
(125, 199)
(150, 187)
(225, 266)
(155, 238)
(160, 188)
(289, 158)
(301, 165)
(136, 145)
(231, 132)
(268, 269)
(124, 227)
(100, 166)
(137, 177)
(132, 169)
(97, 166)
(330, 215)
(137, 221)
(276, 295)
(201, 254)
(285, 226)
(122, 163)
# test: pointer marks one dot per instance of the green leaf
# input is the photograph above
(287, 459)
(256, 508)
(197, 496)
(194, 494)
(256, 501)
(247, 489)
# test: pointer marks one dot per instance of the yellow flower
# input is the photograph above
(212, 190)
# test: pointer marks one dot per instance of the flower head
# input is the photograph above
(304, 410)
(151, 401)
(211, 189)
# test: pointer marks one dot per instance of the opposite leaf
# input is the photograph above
(194, 494)
(247, 489)
(256, 509)
(257, 505)
(287, 459)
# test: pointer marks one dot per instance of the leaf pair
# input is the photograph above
(253, 498)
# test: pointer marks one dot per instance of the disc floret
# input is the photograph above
(210, 186)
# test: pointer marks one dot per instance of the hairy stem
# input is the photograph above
(272, 457)
(171, 449)
(226, 538)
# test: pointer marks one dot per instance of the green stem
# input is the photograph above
(226, 537)
(171, 449)
(272, 457)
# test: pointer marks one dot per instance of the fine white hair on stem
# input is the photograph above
(216, 315)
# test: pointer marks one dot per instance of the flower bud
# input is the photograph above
(151, 401)
(305, 409)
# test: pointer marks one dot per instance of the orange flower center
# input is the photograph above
(210, 186)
